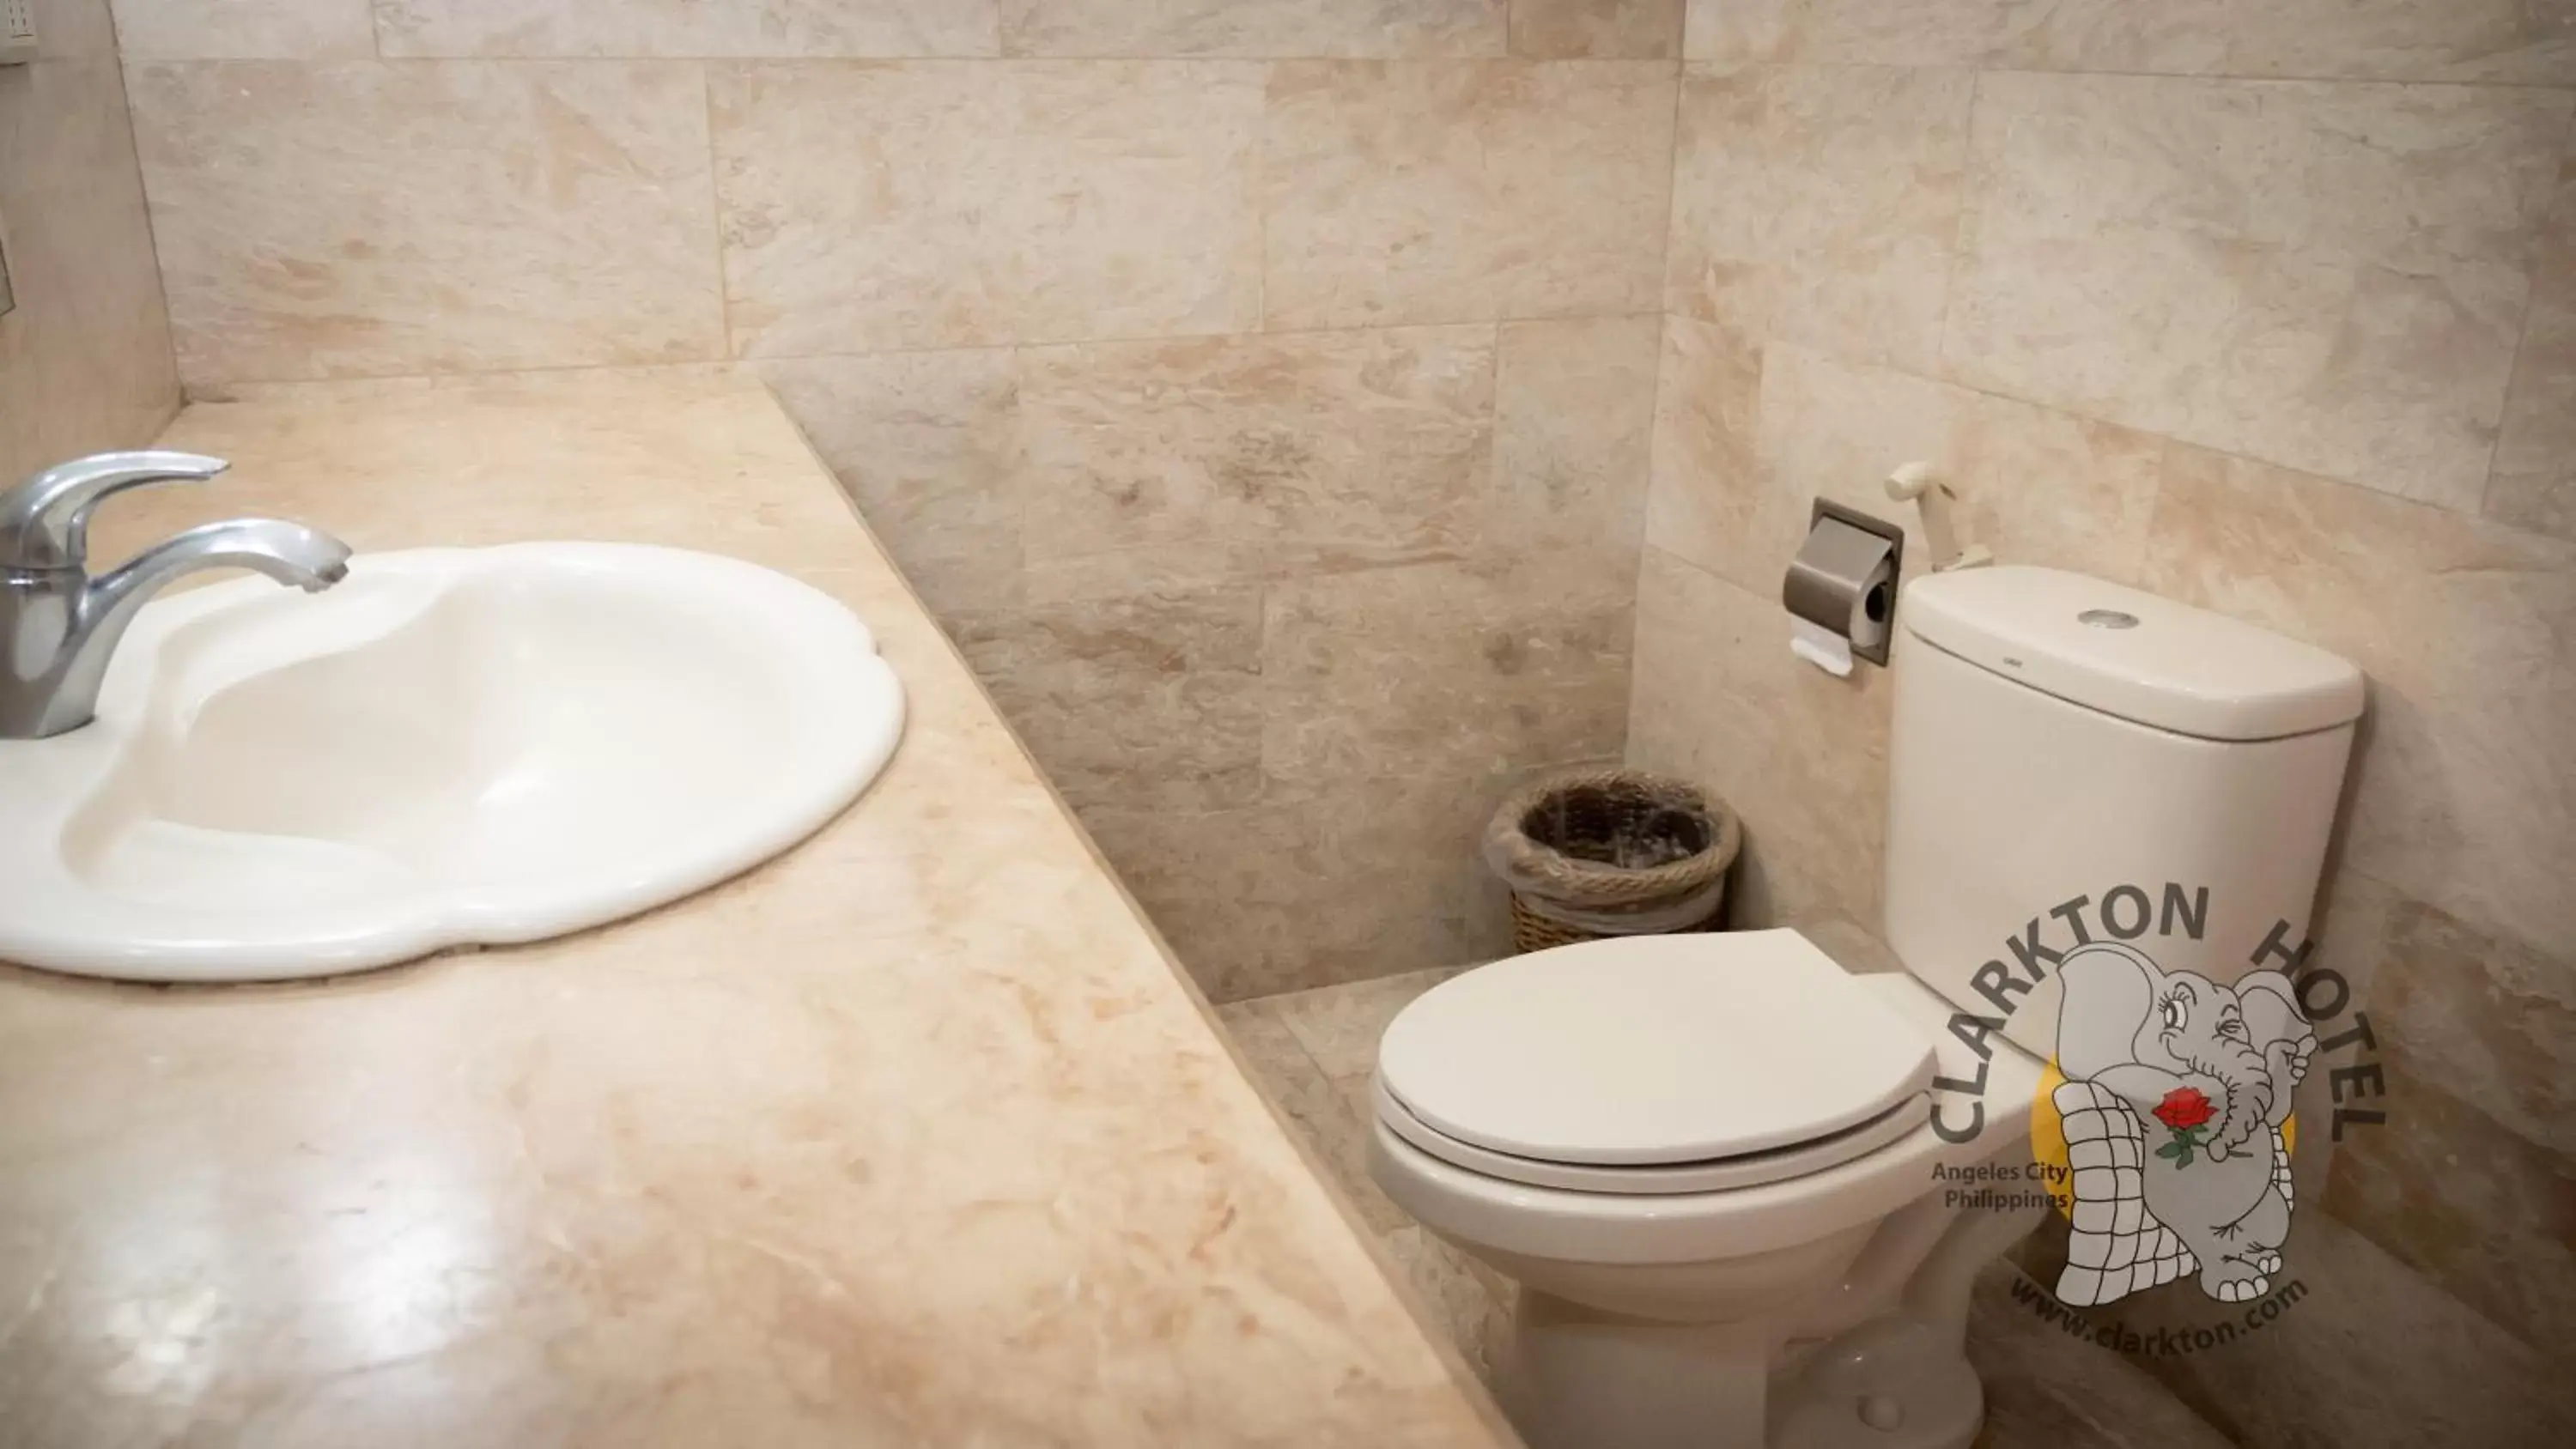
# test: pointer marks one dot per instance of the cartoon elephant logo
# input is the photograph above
(2202, 1072)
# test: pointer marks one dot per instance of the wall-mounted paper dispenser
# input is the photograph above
(1841, 588)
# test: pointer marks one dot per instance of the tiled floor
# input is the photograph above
(1313, 1050)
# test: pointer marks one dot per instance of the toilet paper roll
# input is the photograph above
(1866, 627)
(1843, 583)
(1821, 647)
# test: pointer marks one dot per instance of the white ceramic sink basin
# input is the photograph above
(453, 746)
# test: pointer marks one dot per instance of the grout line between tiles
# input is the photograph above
(660, 58)
(1655, 383)
(1686, 64)
(1672, 199)
(1261, 206)
(2550, 221)
(754, 361)
(2146, 540)
(1970, 201)
(715, 211)
(1707, 65)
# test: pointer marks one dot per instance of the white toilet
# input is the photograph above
(1713, 1162)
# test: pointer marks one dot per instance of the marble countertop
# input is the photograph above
(915, 1135)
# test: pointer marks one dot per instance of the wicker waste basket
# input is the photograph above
(1595, 853)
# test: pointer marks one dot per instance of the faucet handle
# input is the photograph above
(44, 522)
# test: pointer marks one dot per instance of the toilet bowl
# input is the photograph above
(1738, 1185)
(1709, 1162)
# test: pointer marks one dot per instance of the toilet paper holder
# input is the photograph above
(1836, 582)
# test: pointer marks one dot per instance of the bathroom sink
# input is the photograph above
(455, 746)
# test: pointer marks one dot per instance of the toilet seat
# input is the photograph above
(1718, 1175)
(1524, 1219)
(1655, 1065)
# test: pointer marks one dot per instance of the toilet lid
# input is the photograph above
(1653, 1050)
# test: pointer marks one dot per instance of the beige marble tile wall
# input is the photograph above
(85, 357)
(2269, 306)
(1260, 390)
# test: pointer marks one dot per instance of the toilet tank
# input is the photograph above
(2072, 759)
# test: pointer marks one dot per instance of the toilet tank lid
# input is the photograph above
(2132, 654)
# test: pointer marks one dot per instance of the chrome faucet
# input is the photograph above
(59, 623)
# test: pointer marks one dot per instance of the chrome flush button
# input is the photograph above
(2107, 619)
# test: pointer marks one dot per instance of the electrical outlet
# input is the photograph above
(17, 31)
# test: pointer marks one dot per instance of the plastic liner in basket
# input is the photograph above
(1614, 852)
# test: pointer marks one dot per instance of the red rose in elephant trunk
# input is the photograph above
(2184, 1108)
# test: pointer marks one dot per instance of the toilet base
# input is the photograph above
(1577, 1378)
(1896, 1383)
(1878, 1361)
